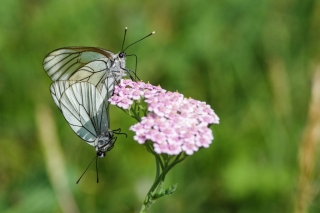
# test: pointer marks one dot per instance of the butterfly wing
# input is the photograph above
(83, 107)
(58, 88)
(78, 63)
(105, 88)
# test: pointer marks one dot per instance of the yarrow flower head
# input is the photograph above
(171, 127)
(172, 122)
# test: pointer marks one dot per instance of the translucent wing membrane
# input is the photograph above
(58, 88)
(105, 88)
(73, 63)
(84, 108)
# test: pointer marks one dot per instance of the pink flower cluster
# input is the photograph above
(128, 91)
(174, 123)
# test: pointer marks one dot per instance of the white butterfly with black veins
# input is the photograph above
(90, 64)
(86, 111)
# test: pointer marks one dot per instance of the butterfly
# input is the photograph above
(86, 111)
(90, 64)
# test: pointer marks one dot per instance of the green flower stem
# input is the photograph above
(164, 163)
(156, 191)
(135, 113)
(157, 169)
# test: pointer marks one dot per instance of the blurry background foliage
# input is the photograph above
(252, 61)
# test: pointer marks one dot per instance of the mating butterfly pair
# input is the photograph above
(83, 80)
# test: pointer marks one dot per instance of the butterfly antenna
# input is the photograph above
(96, 157)
(124, 37)
(139, 40)
(97, 169)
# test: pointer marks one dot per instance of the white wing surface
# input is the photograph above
(86, 64)
(77, 63)
(58, 88)
(84, 108)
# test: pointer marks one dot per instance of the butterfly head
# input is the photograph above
(118, 66)
(121, 59)
(104, 143)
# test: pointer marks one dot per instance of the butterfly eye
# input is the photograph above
(121, 55)
(101, 154)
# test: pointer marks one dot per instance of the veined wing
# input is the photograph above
(58, 88)
(78, 63)
(105, 88)
(84, 109)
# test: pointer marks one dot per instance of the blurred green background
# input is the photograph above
(252, 61)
